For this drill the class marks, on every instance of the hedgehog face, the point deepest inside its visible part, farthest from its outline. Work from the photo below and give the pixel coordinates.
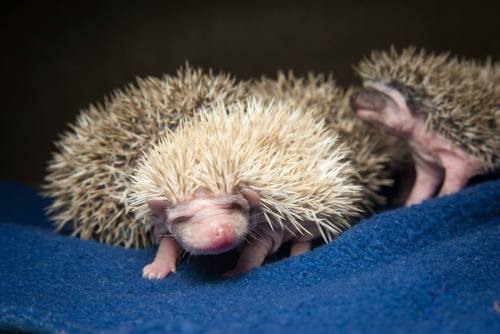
(386, 106)
(210, 225)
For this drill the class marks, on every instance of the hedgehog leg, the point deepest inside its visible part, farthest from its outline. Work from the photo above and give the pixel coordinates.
(254, 254)
(453, 182)
(428, 178)
(165, 260)
(459, 168)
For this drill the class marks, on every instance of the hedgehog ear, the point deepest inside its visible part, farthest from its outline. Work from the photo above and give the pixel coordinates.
(200, 192)
(159, 208)
(251, 196)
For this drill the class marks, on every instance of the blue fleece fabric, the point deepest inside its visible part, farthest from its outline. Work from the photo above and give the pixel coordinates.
(430, 268)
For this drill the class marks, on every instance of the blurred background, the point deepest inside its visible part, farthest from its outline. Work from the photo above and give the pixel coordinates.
(57, 58)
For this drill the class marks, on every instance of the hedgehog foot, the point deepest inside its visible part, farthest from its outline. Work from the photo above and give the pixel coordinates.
(300, 247)
(437, 160)
(429, 176)
(165, 260)
(254, 253)
(156, 270)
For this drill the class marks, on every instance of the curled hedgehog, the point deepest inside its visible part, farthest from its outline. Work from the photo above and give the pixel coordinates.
(88, 177)
(447, 110)
(272, 160)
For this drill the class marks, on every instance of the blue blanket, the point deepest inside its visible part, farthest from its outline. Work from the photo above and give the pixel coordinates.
(431, 268)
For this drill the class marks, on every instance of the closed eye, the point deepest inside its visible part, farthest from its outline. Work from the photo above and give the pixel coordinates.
(241, 205)
(233, 206)
(236, 206)
(181, 219)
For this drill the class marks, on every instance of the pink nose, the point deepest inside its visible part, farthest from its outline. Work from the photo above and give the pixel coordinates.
(223, 237)
(224, 233)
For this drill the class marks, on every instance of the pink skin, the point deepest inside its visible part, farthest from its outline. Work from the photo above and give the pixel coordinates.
(211, 225)
(255, 252)
(437, 160)
(165, 259)
(300, 247)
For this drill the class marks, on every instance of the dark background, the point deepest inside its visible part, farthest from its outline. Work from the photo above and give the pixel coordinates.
(57, 58)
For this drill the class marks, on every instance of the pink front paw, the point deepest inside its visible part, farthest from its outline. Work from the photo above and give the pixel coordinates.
(157, 270)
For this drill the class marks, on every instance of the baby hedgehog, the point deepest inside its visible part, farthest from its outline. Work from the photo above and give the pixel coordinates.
(269, 171)
(89, 177)
(446, 109)
(253, 172)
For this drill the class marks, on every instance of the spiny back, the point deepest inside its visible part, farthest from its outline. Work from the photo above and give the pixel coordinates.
(88, 177)
(370, 152)
(289, 157)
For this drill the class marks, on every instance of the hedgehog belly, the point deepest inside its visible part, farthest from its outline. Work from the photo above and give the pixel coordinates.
(89, 176)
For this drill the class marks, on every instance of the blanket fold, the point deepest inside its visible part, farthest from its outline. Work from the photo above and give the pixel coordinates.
(430, 268)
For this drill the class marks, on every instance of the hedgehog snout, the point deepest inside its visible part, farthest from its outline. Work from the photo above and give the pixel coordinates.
(217, 238)
(223, 237)
(368, 99)
(213, 231)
